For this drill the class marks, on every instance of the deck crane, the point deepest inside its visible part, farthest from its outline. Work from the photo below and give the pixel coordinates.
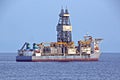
(21, 51)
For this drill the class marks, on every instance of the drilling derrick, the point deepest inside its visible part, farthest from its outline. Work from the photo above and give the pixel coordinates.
(64, 27)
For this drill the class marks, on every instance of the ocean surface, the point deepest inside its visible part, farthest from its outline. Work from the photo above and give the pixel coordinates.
(107, 68)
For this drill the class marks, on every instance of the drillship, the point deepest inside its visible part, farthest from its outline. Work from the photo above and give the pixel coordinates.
(64, 49)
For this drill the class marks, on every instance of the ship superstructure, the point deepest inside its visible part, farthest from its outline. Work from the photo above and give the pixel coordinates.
(64, 49)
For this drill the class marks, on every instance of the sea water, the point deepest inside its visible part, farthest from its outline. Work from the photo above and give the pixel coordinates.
(107, 68)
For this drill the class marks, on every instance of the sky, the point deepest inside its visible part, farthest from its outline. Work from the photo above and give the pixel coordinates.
(35, 21)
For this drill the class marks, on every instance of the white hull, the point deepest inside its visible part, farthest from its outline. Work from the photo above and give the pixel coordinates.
(92, 57)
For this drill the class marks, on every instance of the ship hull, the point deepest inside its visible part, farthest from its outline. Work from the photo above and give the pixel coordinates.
(92, 57)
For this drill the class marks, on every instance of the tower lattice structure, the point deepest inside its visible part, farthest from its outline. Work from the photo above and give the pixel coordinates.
(64, 27)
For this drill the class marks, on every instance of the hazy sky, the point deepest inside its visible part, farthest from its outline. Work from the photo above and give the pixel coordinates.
(35, 21)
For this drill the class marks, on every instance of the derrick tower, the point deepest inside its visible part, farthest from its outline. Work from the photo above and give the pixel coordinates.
(64, 27)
